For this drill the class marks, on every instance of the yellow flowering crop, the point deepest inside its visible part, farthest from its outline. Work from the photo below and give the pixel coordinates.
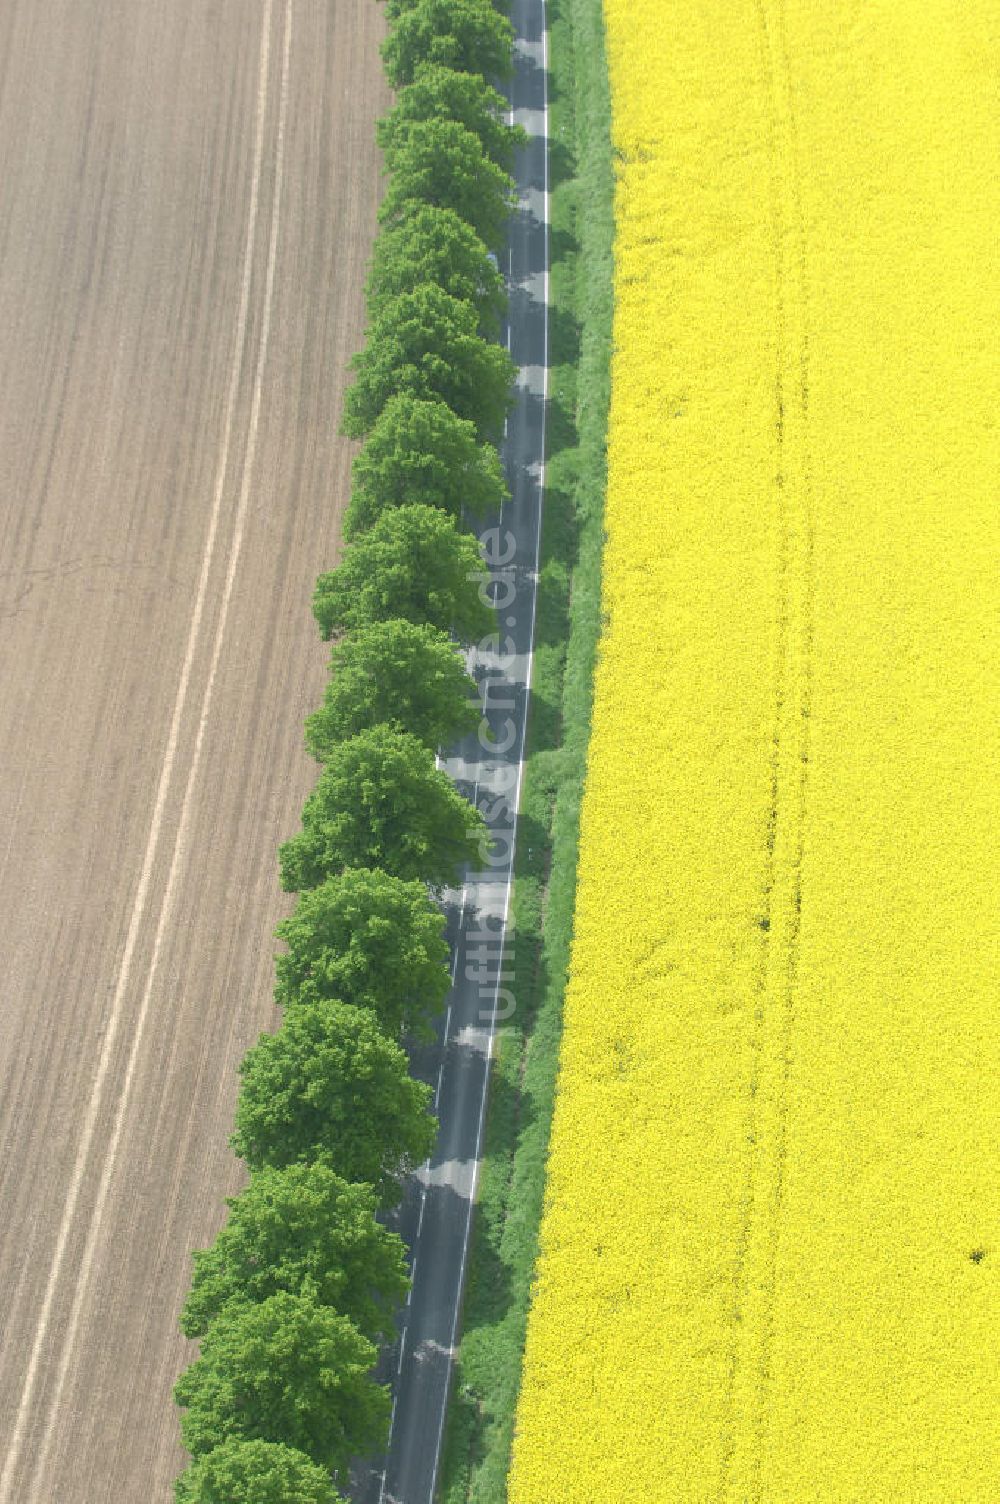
(770, 1268)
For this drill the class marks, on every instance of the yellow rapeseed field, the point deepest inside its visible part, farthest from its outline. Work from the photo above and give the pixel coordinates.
(770, 1265)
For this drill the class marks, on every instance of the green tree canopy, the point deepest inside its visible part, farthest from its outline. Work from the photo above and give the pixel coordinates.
(440, 93)
(256, 1472)
(439, 162)
(331, 1087)
(414, 565)
(430, 243)
(287, 1370)
(469, 35)
(420, 452)
(381, 802)
(303, 1229)
(428, 344)
(372, 940)
(395, 673)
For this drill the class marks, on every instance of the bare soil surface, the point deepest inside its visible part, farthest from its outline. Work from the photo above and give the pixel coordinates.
(187, 204)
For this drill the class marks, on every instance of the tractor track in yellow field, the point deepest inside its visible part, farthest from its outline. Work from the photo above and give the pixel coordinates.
(780, 912)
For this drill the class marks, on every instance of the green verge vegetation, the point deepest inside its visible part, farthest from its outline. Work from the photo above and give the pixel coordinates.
(303, 1280)
(505, 1238)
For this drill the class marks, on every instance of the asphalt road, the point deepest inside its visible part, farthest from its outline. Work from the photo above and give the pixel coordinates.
(436, 1216)
(187, 203)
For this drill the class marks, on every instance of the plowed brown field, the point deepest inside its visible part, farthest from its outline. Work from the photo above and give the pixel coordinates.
(187, 204)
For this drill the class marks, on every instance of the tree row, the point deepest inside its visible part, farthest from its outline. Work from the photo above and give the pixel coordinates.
(300, 1288)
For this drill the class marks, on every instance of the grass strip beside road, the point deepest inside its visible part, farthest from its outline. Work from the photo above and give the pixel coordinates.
(527, 1047)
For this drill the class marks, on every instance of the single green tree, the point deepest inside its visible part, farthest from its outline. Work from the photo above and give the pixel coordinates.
(372, 940)
(420, 453)
(413, 565)
(303, 1229)
(330, 1087)
(440, 93)
(395, 673)
(256, 1472)
(430, 243)
(382, 802)
(428, 344)
(470, 35)
(287, 1370)
(439, 162)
